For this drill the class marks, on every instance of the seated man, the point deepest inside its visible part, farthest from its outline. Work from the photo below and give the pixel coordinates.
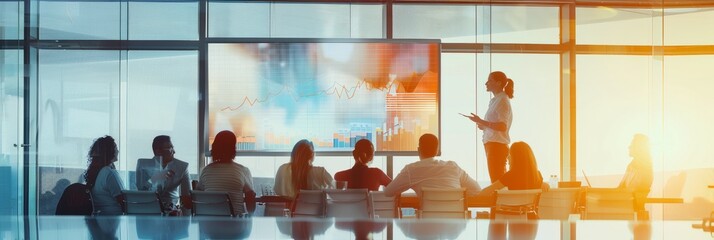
(165, 174)
(361, 175)
(430, 172)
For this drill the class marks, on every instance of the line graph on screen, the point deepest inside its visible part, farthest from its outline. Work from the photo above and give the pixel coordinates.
(334, 94)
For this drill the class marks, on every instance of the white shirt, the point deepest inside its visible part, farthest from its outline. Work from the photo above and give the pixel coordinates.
(499, 110)
(317, 178)
(106, 189)
(432, 173)
(170, 188)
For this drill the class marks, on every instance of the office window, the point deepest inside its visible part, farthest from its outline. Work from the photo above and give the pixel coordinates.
(611, 26)
(294, 20)
(458, 134)
(238, 19)
(78, 102)
(11, 127)
(535, 105)
(80, 20)
(518, 24)
(325, 20)
(687, 129)
(163, 20)
(450, 23)
(536, 109)
(162, 99)
(11, 19)
(613, 103)
(688, 26)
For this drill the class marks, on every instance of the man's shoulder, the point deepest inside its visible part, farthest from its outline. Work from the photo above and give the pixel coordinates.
(445, 162)
(179, 162)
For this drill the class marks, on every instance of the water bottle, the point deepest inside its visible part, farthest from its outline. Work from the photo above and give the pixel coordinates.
(553, 182)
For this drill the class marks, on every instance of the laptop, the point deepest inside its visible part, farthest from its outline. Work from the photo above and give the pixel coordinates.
(586, 178)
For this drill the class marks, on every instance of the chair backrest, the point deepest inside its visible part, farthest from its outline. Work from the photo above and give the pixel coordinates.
(211, 203)
(442, 203)
(76, 200)
(609, 203)
(516, 204)
(348, 203)
(383, 206)
(141, 202)
(558, 203)
(309, 203)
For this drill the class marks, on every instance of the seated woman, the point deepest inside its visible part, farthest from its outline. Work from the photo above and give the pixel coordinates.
(638, 176)
(103, 179)
(523, 171)
(299, 173)
(361, 175)
(224, 175)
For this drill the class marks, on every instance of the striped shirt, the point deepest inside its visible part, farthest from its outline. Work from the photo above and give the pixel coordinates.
(228, 177)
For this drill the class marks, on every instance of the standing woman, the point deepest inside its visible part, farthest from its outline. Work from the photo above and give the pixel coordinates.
(496, 123)
(103, 179)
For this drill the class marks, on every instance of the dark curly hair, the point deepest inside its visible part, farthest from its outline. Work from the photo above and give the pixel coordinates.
(103, 153)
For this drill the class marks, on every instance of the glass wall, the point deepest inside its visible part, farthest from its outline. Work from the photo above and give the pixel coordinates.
(294, 20)
(687, 128)
(637, 88)
(12, 98)
(639, 70)
(11, 138)
(613, 105)
(535, 105)
(79, 102)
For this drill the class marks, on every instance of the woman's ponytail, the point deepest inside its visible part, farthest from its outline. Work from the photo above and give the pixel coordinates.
(509, 88)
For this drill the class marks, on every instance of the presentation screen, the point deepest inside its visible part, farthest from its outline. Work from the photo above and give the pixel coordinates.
(272, 94)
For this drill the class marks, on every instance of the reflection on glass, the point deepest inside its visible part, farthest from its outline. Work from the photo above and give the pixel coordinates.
(216, 228)
(512, 229)
(432, 229)
(363, 229)
(103, 227)
(303, 228)
(159, 228)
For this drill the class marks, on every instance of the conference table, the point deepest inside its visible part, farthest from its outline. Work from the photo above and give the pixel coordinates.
(157, 227)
